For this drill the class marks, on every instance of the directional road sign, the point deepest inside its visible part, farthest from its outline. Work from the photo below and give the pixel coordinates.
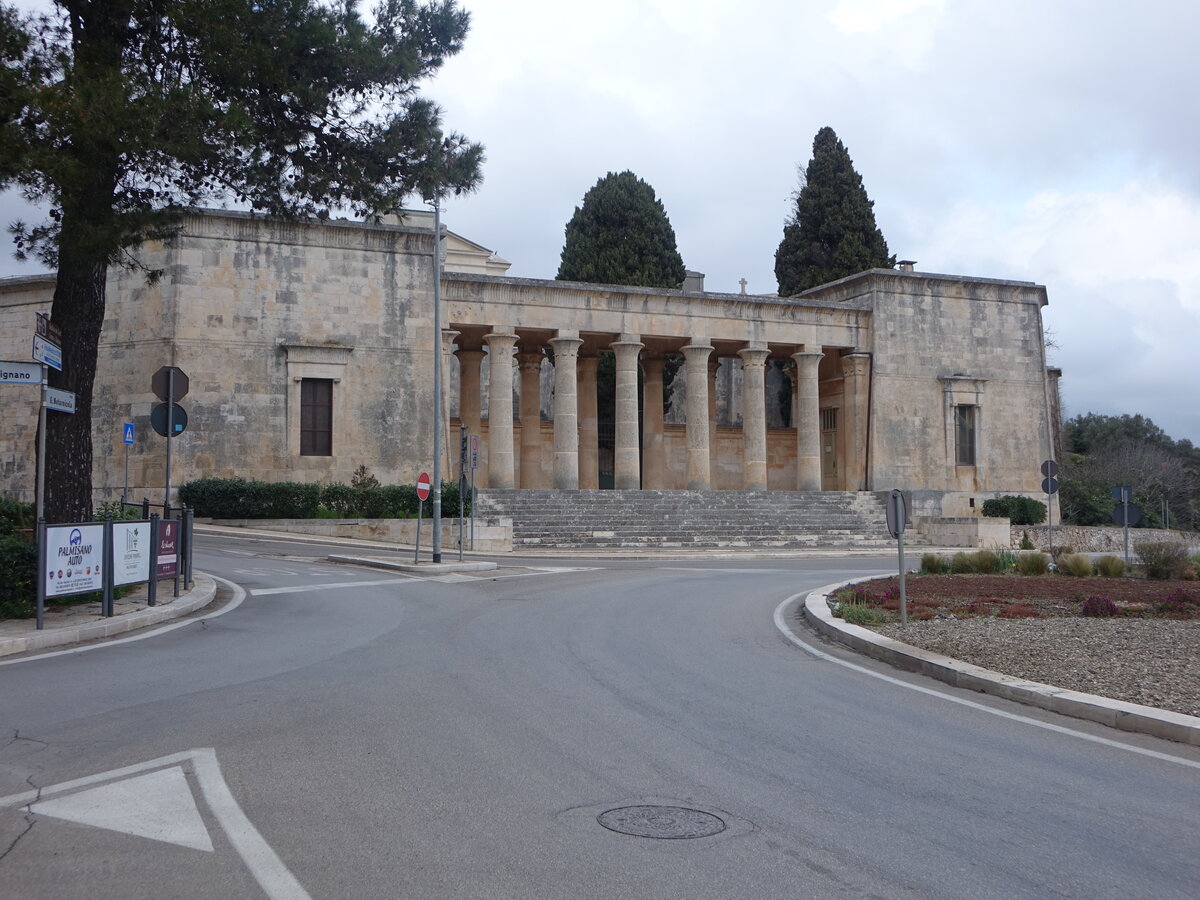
(46, 352)
(49, 330)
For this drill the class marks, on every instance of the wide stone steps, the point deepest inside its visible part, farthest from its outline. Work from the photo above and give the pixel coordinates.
(690, 519)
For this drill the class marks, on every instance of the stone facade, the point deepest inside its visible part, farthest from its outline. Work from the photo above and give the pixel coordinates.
(931, 383)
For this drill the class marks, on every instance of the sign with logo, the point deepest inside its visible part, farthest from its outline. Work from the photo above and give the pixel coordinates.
(129, 432)
(46, 352)
(63, 401)
(49, 330)
(130, 552)
(20, 373)
(73, 556)
(168, 549)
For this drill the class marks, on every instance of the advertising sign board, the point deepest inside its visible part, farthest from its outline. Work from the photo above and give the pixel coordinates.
(73, 555)
(130, 552)
(167, 557)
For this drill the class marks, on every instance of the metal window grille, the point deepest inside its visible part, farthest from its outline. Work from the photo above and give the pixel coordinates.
(316, 417)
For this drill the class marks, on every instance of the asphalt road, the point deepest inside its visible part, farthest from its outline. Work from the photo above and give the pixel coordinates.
(347, 732)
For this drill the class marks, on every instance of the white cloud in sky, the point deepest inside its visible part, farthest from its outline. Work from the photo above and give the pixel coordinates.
(1044, 141)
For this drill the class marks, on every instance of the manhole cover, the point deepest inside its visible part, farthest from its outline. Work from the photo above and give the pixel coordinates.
(664, 822)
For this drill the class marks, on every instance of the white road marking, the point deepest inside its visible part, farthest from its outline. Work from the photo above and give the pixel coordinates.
(302, 588)
(264, 864)
(158, 806)
(785, 629)
(238, 596)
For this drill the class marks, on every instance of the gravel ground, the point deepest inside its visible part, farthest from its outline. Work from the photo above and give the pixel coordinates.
(1154, 662)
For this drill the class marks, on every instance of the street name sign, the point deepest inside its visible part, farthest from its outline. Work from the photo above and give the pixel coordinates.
(62, 401)
(20, 372)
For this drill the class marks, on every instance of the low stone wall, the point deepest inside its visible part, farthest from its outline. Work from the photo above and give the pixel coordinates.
(963, 531)
(491, 535)
(1097, 538)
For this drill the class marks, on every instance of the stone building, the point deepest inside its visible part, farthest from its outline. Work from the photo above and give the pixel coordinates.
(309, 348)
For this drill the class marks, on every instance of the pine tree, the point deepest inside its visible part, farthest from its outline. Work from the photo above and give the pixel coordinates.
(832, 232)
(621, 235)
(121, 115)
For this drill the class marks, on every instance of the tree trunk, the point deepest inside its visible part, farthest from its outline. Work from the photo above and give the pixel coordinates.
(79, 310)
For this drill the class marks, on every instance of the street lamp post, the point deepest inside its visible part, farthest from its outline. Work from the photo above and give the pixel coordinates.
(437, 378)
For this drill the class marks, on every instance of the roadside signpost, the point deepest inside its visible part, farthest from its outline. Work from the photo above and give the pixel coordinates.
(423, 486)
(170, 384)
(474, 466)
(1125, 513)
(1050, 488)
(897, 513)
(47, 350)
(127, 438)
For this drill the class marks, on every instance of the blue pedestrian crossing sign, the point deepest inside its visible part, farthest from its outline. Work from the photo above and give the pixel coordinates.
(129, 432)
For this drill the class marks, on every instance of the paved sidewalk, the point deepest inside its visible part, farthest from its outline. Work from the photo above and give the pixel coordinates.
(75, 624)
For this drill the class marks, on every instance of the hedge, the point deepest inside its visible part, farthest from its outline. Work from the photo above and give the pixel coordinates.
(239, 498)
(1019, 510)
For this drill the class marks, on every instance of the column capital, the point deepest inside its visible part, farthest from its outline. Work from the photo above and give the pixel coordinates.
(754, 357)
(530, 362)
(565, 345)
(856, 364)
(500, 340)
(466, 355)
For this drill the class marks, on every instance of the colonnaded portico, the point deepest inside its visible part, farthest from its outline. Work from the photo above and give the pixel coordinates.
(571, 326)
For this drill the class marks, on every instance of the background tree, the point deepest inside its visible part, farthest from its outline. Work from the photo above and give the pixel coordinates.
(122, 114)
(621, 235)
(832, 232)
(1106, 451)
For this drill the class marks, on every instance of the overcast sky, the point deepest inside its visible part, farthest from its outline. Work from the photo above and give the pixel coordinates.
(1043, 140)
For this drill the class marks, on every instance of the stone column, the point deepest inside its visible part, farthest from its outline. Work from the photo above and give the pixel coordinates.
(695, 367)
(566, 413)
(714, 462)
(469, 362)
(754, 418)
(530, 364)
(449, 447)
(856, 371)
(627, 457)
(589, 425)
(808, 420)
(500, 409)
(654, 460)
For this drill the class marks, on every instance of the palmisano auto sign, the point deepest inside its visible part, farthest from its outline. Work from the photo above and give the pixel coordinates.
(73, 557)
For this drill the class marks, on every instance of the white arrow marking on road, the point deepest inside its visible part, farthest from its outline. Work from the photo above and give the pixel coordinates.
(158, 806)
(264, 864)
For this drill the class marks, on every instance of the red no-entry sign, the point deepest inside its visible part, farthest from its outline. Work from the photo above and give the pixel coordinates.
(423, 485)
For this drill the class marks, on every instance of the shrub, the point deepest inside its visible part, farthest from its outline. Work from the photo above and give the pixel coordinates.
(340, 501)
(1075, 564)
(985, 562)
(934, 564)
(1110, 567)
(1006, 560)
(237, 498)
(1026, 543)
(861, 614)
(1018, 611)
(15, 516)
(1178, 603)
(1018, 510)
(1100, 607)
(1163, 560)
(18, 571)
(1033, 563)
(961, 564)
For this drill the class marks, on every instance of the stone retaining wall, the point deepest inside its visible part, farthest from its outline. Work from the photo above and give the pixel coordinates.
(1098, 538)
(491, 535)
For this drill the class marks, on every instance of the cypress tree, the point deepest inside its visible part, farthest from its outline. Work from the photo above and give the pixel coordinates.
(621, 235)
(832, 232)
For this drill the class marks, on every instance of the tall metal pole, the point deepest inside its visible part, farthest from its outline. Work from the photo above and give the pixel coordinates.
(170, 434)
(437, 379)
(41, 450)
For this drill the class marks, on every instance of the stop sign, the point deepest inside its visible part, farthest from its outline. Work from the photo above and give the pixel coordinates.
(423, 485)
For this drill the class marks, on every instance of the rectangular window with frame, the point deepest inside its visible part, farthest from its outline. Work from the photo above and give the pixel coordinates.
(964, 435)
(316, 417)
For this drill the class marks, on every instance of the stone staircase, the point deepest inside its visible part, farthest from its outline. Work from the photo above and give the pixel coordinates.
(692, 520)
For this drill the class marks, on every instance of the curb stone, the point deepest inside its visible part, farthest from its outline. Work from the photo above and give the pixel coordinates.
(1118, 714)
(202, 593)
